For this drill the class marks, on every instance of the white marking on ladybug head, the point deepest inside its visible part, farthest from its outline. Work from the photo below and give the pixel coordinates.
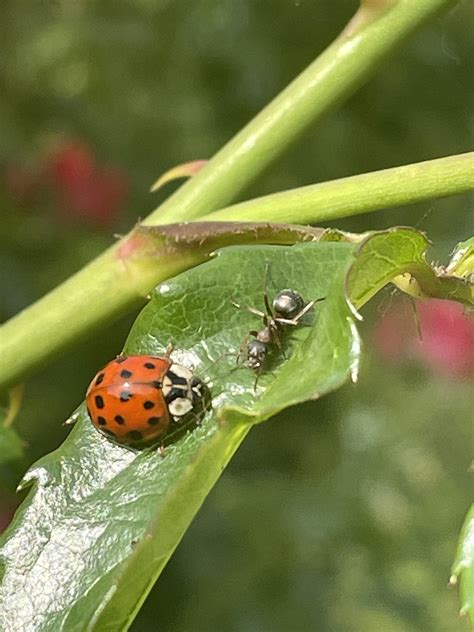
(180, 406)
(181, 371)
(167, 385)
(197, 389)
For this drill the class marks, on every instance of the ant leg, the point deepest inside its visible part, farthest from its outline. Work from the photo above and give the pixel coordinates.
(295, 321)
(274, 333)
(257, 376)
(257, 312)
(252, 310)
(266, 302)
(241, 352)
(226, 354)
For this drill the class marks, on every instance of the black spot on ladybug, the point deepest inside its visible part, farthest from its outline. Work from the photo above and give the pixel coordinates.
(173, 394)
(120, 359)
(135, 435)
(119, 419)
(149, 365)
(125, 373)
(99, 402)
(148, 405)
(125, 396)
(100, 379)
(157, 385)
(153, 421)
(177, 379)
(101, 421)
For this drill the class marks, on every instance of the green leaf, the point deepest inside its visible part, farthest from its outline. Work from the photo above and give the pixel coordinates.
(102, 521)
(463, 567)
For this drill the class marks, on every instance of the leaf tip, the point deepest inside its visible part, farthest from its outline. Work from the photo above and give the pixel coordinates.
(70, 421)
(185, 170)
(37, 474)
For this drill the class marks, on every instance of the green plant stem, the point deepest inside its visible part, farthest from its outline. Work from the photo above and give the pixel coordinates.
(358, 194)
(349, 61)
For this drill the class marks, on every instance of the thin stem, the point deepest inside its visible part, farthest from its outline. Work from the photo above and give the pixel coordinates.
(363, 193)
(348, 62)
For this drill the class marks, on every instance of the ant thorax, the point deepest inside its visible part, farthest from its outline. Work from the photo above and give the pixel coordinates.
(265, 335)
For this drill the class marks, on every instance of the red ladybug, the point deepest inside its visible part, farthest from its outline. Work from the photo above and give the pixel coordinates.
(133, 399)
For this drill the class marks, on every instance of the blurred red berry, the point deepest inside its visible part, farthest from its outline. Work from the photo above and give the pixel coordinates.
(447, 336)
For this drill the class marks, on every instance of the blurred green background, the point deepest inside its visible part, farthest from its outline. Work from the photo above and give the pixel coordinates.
(339, 515)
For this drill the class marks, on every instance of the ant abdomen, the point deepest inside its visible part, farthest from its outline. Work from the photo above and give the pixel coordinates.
(288, 304)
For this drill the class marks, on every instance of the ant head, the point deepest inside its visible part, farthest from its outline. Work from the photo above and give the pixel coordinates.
(288, 304)
(256, 354)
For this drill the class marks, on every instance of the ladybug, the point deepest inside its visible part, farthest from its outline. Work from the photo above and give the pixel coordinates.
(133, 399)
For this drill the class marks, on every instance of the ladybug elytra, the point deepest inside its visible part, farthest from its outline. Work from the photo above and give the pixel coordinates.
(133, 399)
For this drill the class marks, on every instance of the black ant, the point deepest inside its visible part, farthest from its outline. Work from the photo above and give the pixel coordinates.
(287, 309)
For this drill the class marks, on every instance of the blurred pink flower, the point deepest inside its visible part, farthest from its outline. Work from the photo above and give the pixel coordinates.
(85, 189)
(82, 188)
(71, 165)
(447, 343)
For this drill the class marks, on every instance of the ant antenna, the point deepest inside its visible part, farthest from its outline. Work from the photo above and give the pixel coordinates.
(266, 302)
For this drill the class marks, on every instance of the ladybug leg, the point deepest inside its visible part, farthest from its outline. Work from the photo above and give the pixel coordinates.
(145, 450)
(194, 419)
(197, 420)
(169, 350)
